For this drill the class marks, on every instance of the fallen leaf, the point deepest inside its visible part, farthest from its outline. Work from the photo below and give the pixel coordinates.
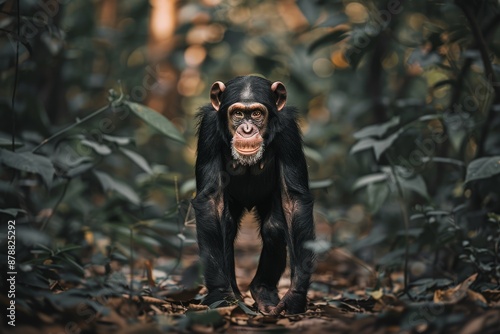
(377, 294)
(455, 294)
(145, 299)
(476, 296)
(284, 322)
(181, 295)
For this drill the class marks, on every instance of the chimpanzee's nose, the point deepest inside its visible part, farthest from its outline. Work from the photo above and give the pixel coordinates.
(247, 128)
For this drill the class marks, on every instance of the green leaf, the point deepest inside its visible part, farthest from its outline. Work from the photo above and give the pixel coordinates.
(13, 211)
(377, 190)
(188, 186)
(392, 258)
(378, 130)
(29, 162)
(369, 241)
(443, 160)
(377, 194)
(416, 184)
(318, 246)
(320, 184)
(438, 213)
(313, 154)
(443, 83)
(72, 166)
(210, 317)
(362, 145)
(216, 304)
(117, 140)
(378, 146)
(137, 159)
(417, 216)
(156, 120)
(7, 143)
(78, 170)
(429, 117)
(328, 39)
(98, 148)
(245, 308)
(412, 232)
(110, 184)
(432, 282)
(368, 179)
(483, 168)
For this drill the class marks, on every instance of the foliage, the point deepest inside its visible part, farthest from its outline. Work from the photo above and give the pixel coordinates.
(400, 120)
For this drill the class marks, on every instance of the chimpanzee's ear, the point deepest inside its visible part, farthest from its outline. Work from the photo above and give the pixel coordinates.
(217, 89)
(279, 91)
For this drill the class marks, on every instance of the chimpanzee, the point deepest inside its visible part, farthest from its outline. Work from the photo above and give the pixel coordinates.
(250, 156)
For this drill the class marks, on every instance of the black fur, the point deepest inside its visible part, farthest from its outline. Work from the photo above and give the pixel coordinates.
(277, 187)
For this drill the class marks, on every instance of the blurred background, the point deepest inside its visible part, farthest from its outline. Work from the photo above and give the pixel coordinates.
(399, 112)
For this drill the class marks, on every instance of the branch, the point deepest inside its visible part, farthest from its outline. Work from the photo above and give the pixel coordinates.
(406, 222)
(63, 131)
(16, 75)
(488, 70)
(481, 43)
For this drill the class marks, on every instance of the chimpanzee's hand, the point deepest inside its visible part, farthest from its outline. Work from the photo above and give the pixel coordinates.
(293, 302)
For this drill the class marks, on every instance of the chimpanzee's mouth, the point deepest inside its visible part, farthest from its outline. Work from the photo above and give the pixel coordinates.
(247, 145)
(244, 148)
(247, 152)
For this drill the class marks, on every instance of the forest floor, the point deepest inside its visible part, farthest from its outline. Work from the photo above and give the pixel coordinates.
(343, 298)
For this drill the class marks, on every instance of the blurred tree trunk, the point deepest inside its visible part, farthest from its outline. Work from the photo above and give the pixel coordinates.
(107, 17)
(51, 87)
(163, 94)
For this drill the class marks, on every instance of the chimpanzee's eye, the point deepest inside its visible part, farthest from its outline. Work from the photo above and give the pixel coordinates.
(238, 114)
(256, 114)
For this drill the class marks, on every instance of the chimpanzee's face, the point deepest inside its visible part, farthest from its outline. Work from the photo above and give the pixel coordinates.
(246, 107)
(247, 125)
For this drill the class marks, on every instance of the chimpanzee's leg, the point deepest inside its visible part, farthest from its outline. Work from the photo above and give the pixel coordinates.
(273, 256)
(234, 216)
(297, 209)
(216, 230)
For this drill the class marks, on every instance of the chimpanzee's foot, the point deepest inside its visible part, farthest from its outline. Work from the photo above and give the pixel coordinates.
(292, 303)
(265, 297)
(226, 297)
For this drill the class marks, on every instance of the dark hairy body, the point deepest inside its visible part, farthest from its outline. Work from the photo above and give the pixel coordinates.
(250, 156)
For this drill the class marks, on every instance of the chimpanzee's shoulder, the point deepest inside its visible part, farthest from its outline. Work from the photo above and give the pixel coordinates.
(289, 115)
(206, 117)
(206, 111)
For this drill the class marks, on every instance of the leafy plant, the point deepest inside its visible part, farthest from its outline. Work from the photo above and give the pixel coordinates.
(419, 148)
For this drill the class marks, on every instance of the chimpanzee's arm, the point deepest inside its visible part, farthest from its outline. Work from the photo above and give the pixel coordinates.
(210, 216)
(297, 205)
(208, 161)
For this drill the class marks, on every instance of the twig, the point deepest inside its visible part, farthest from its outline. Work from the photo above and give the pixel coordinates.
(111, 105)
(181, 230)
(54, 209)
(404, 212)
(358, 261)
(131, 287)
(16, 72)
(66, 129)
